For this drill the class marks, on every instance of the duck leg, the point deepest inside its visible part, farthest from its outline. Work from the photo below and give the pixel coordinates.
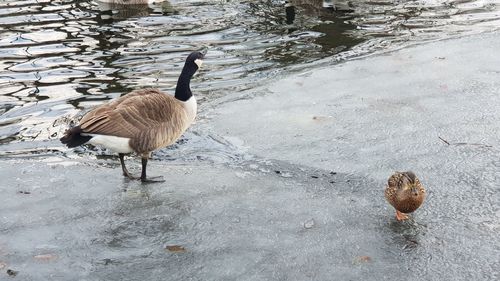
(401, 216)
(143, 174)
(124, 169)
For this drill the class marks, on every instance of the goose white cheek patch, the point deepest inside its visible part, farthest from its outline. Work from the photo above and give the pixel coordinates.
(198, 62)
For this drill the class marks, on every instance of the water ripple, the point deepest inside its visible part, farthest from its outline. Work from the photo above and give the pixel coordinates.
(58, 58)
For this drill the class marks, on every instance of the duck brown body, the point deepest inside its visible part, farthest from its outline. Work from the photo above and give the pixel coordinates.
(405, 193)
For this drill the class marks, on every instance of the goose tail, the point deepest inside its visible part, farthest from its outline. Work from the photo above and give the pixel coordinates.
(74, 138)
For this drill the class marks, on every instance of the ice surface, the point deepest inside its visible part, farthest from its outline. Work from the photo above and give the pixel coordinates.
(304, 202)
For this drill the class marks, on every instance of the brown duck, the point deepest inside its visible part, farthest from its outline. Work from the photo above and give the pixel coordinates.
(405, 193)
(141, 121)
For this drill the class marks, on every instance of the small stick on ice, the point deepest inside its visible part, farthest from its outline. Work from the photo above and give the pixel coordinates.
(445, 141)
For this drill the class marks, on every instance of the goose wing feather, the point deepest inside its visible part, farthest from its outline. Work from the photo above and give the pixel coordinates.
(150, 118)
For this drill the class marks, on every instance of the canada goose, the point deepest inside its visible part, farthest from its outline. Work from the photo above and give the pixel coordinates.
(115, 10)
(405, 193)
(131, 2)
(141, 121)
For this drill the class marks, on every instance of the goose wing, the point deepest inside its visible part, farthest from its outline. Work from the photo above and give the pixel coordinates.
(137, 113)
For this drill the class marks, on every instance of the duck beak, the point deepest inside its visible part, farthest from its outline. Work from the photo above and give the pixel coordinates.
(198, 62)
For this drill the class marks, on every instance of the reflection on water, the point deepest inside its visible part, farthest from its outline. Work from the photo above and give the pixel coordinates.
(59, 57)
(401, 21)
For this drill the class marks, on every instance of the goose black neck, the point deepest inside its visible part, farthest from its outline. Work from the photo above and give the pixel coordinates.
(183, 91)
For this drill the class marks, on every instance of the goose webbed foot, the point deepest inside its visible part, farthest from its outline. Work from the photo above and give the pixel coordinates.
(152, 179)
(145, 179)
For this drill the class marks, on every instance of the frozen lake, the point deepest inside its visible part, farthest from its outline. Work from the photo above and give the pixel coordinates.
(305, 112)
(290, 186)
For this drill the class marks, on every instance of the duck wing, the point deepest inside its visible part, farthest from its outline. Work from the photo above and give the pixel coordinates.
(395, 181)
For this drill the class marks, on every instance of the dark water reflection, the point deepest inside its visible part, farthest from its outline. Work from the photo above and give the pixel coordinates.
(59, 57)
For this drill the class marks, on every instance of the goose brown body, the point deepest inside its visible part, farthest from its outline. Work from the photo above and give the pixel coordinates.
(149, 118)
(405, 193)
(141, 121)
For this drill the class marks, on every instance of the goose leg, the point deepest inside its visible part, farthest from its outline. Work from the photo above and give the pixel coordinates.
(401, 216)
(143, 174)
(124, 169)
